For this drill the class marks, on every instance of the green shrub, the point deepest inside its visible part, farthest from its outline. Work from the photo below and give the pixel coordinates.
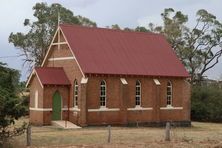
(206, 103)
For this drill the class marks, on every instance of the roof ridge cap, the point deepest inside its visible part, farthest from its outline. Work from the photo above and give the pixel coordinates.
(110, 29)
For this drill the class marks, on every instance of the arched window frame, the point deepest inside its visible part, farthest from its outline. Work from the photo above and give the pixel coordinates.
(103, 93)
(75, 93)
(169, 94)
(138, 93)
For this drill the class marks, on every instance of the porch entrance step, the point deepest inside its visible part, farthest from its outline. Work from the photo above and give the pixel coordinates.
(65, 124)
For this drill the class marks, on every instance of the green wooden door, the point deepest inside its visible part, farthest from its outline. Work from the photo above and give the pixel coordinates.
(56, 106)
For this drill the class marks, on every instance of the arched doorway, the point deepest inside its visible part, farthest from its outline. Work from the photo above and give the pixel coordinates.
(56, 106)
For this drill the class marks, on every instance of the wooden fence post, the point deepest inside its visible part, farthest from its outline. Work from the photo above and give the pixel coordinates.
(28, 135)
(109, 133)
(167, 136)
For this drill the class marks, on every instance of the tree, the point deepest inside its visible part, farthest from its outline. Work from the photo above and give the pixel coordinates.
(206, 104)
(200, 47)
(141, 29)
(35, 43)
(10, 108)
(116, 26)
(128, 29)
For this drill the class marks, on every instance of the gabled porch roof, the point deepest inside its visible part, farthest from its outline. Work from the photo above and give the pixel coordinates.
(50, 76)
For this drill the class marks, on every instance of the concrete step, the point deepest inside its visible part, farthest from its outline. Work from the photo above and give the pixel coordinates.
(65, 124)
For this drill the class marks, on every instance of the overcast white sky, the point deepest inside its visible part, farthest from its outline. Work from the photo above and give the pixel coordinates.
(126, 13)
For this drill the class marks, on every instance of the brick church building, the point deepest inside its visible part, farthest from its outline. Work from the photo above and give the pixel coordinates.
(98, 76)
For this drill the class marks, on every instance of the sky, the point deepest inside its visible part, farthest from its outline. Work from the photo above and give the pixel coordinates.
(125, 13)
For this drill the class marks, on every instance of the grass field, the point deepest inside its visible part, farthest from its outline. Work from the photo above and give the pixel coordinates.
(199, 135)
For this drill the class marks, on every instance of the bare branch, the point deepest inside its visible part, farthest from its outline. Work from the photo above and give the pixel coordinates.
(217, 56)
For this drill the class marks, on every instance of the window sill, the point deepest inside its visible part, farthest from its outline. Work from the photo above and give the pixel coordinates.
(103, 109)
(169, 107)
(139, 108)
(74, 109)
(40, 109)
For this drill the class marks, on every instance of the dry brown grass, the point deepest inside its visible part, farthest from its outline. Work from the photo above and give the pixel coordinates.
(199, 135)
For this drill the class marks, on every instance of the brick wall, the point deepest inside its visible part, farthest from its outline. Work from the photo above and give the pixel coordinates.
(36, 116)
(62, 52)
(115, 99)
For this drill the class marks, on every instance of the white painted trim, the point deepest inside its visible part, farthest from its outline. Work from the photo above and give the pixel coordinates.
(71, 109)
(50, 109)
(39, 79)
(74, 109)
(123, 80)
(103, 109)
(29, 78)
(34, 72)
(64, 108)
(50, 45)
(58, 40)
(84, 80)
(139, 108)
(156, 81)
(59, 43)
(171, 108)
(72, 52)
(61, 58)
(40, 109)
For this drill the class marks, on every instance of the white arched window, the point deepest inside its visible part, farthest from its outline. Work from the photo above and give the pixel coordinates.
(103, 93)
(169, 93)
(138, 93)
(75, 94)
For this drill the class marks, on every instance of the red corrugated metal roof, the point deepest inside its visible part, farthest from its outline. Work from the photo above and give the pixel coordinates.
(52, 76)
(107, 51)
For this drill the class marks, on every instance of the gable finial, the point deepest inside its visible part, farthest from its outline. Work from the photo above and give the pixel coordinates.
(58, 18)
